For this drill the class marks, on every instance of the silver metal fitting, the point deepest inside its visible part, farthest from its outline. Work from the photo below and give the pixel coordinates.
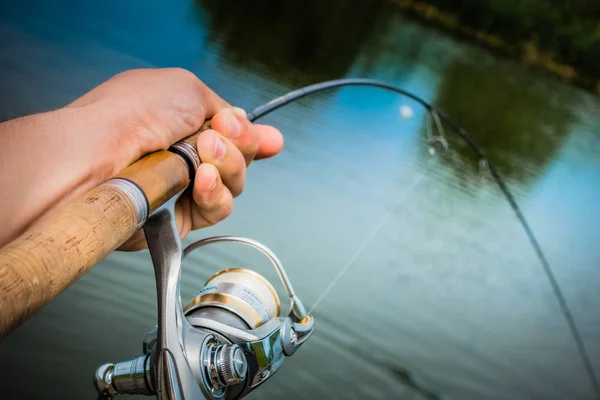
(127, 377)
(227, 365)
(103, 380)
(136, 195)
(231, 364)
(187, 151)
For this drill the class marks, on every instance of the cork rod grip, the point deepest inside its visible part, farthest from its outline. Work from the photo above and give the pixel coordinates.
(40, 264)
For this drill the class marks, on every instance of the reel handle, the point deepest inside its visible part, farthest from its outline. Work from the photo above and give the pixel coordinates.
(51, 255)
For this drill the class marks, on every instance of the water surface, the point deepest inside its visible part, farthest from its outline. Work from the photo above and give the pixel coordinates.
(447, 301)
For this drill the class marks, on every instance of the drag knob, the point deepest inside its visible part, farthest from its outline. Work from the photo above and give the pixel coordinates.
(231, 364)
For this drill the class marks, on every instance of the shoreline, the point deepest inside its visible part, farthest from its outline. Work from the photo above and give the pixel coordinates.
(524, 52)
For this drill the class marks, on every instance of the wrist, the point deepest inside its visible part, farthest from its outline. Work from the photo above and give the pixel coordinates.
(106, 140)
(50, 158)
(43, 164)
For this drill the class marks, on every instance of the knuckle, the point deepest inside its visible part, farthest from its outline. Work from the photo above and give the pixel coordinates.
(249, 142)
(238, 189)
(184, 74)
(226, 209)
(206, 199)
(194, 118)
(239, 172)
(221, 211)
(236, 179)
(128, 73)
(240, 161)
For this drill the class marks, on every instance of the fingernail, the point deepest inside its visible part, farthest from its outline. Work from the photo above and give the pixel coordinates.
(208, 173)
(214, 184)
(240, 112)
(219, 148)
(234, 128)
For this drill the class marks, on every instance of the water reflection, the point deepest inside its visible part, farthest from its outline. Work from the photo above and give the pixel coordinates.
(519, 126)
(296, 39)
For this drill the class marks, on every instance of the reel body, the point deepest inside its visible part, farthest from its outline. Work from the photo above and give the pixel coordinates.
(227, 341)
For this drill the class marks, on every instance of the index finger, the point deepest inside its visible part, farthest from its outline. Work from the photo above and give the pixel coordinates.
(254, 141)
(270, 141)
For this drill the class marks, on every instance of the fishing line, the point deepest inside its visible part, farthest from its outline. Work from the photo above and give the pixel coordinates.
(436, 142)
(366, 242)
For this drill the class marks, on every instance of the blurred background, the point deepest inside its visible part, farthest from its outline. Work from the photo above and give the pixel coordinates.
(449, 300)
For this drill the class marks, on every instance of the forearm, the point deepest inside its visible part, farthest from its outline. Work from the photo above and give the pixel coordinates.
(45, 161)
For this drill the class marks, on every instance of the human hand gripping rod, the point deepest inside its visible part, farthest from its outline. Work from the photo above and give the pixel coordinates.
(226, 342)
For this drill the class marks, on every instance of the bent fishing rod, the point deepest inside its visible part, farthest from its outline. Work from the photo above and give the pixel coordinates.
(231, 337)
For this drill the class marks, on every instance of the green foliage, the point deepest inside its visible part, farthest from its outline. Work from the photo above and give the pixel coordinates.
(568, 29)
(508, 122)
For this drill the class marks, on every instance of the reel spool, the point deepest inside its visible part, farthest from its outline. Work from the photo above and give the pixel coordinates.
(240, 291)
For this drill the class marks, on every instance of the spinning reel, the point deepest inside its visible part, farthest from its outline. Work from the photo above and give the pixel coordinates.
(223, 344)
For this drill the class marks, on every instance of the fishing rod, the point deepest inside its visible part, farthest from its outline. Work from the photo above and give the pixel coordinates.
(438, 143)
(231, 337)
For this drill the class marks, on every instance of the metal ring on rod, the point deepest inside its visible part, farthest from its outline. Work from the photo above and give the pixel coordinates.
(296, 305)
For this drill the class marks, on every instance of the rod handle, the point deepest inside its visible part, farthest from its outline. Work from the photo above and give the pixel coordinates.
(51, 255)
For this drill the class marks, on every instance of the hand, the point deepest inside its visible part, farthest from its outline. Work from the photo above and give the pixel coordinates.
(135, 113)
